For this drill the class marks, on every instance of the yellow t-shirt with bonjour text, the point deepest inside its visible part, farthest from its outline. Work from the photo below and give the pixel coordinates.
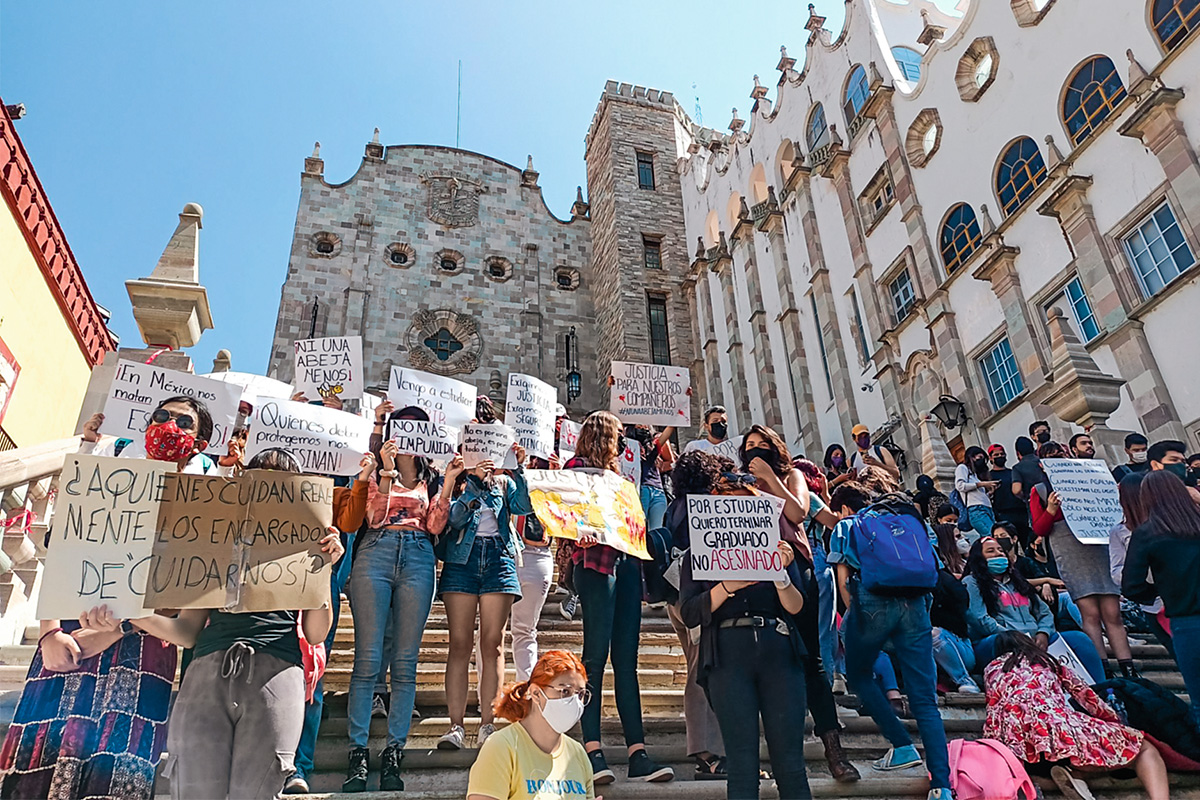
(511, 767)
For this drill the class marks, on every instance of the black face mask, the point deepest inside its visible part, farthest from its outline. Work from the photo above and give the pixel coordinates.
(1000, 461)
(1043, 437)
(719, 430)
(1006, 545)
(765, 453)
(980, 463)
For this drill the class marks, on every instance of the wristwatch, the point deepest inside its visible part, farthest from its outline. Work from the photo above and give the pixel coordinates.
(127, 627)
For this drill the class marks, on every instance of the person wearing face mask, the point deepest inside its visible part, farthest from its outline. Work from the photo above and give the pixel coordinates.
(1002, 600)
(1169, 455)
(837, 466)
(1040, 432)
(1005, 505)
(973, 486)
(1136, 450)
(716, 431)
(178, 431)
(764, 455)
(871, 456)
(534, 759)
(952, 546)
(655, 450)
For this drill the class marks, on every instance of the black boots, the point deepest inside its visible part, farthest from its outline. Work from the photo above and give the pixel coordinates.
(389, 770)
(839, 765)
(356, 771)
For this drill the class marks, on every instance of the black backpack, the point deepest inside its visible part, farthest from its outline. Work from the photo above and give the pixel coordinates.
(656, 588)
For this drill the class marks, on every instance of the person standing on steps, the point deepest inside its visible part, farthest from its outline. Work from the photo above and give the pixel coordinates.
(973, 485)
(868, 455)
(837, 467)
(1136, 454)
(534, 759)
(479, 579)
(392, 584)
(1006, 506)
(610, 588)
(716, 431)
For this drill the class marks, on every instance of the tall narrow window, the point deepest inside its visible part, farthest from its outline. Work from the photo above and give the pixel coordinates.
(856, 96)
(863, 342)
(1000, 374)
(1088, 327)
(1093, 92)
(821, 345)
(904, 298)
(1021, 171)
(645, 170)
(1157, 250)
(960, 236)
(817, 133)
(652, 252)
(660, 341)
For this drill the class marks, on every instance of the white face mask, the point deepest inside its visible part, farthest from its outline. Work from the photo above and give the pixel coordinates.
(964, 547)
(1139, 458)
(563, 713)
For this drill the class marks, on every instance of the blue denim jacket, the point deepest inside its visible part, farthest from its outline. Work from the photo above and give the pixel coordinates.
(507, 496)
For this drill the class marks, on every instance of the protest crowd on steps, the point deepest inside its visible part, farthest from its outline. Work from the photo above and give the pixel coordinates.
(792, 581)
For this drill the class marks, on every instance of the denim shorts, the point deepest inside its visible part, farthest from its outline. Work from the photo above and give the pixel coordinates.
(487, 571)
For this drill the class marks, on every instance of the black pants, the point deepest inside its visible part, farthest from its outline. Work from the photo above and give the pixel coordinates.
(759, 675)
(816, 677)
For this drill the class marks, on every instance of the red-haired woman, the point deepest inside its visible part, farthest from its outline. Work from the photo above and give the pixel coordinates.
(534, 758)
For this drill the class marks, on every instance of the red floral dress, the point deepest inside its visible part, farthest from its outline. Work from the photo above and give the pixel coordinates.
(1029, 709)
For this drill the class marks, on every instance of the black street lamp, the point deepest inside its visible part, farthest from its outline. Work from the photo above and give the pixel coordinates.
(950, 411)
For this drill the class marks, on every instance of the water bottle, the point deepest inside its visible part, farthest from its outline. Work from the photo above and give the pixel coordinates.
(1116, 705)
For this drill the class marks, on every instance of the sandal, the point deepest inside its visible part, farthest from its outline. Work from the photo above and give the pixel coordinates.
(710, 769)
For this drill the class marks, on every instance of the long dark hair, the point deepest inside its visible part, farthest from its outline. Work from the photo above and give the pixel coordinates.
(973, 452)
(947, 541)
(1169, 505)
(1130, 489)
(783, 462)
(829, 451)
(1020, 647)
(989, 587)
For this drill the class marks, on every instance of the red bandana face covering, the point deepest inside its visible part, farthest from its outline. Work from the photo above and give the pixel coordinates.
(167, 442)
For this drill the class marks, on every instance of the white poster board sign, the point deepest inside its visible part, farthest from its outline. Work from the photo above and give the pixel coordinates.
(1062, 652)
(728, 449)
(486, 443)
(324, 440)
(137, 389)
(416, 437)
(651, 394)
(445, 400)
(735, 538)
(631, 463)
(102, 536)
(255, 385)
(329, 367)
(367, 405)
(568, 439)
(1091, 503)
(529, 411)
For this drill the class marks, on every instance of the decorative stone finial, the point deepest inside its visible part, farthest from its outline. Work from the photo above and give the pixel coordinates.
(700, 248)
(529, 162)
(1082, 392)
(170, 306)
(374, 147)
(1139, 80)
(874, 79)
(737, 123)
(375, 138)
(759, 91)
(834, 138)
(786, 62)
(1054, 156)
(316, 150)
(580, 208)
(930, 31)
(223, 361)
(529, 175)
(815, 21)
(986, 226)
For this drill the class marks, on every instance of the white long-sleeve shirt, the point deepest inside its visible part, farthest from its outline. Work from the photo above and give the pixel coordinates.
(968, 487)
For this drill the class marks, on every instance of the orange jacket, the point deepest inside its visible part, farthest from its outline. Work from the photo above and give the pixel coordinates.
(350, 506)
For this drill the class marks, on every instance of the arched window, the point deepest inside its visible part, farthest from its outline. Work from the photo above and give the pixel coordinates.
(909, 61)
(1092, 93)
(960, 236)
(817, 134)
(1020, 172)
(856, 95)
(1174, 20)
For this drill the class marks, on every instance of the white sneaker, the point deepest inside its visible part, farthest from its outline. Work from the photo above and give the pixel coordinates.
(296, 785)
(485, 730)
(969, 688)
(378, 707)
(453, 739)
(940, 794)
(839, 684)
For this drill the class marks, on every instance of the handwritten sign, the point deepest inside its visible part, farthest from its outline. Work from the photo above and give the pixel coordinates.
(651, 394)
(1091, 503)
(367, 405)
(529, 410)
(735, 538)
(416, 437)
(1062, 652)
(324, 440)
(102, 536)
(137, 389)
(568, 439)
(486, 443)
(605, 505)
(255, 385)
(447, 401)
(329, 367)
(631, 463)
(250, 543)
(728, 449)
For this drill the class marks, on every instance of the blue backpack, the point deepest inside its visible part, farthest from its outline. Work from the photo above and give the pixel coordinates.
(894, 553)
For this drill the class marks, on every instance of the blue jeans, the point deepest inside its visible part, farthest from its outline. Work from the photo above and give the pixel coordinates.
(1081, 643)
(982, 519)
(1185, 635)
(826, 613)
(654, 503)
(955, 656)
(612, 622)
(392, 583)
(871, 621)
(885, 674)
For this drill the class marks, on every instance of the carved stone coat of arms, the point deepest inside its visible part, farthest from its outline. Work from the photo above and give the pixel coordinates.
(453, 199)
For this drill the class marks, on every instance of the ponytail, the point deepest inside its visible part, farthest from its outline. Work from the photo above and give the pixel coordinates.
(514, 702)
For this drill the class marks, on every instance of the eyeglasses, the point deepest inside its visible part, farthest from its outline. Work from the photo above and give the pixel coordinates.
(563, 692)
(184, 421)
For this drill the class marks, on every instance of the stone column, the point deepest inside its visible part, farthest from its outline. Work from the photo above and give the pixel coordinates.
(768, 380)
(723, 266)
(696, 368)
(955, 368)
(712, 361)
(1157, 125)
(999, 268)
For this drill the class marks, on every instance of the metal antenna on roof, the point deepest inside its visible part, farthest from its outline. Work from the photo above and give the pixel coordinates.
(458, 113)
(699, 120)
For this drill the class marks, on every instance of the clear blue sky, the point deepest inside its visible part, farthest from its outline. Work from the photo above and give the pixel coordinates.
(135, 108)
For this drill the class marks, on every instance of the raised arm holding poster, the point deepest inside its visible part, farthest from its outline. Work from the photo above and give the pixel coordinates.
(102, 536)
(445, 400)
(1091, 503)
(137, 389)
(416, 437)
(735, 538)
(486, 443)
(529, 411)
(606, 506)
(329, 367)
(651, 394)
(324, 440)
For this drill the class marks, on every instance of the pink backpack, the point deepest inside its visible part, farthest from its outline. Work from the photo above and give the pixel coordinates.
(985, 769)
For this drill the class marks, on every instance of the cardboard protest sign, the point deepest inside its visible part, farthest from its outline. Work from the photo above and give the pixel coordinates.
(324, 440)
(329, 367)
(486, 443)
(735, 538)
(447, 401)
(728, 449)
(1062, 652)
(568, 439)
(250, 543)
(529, 410)
(631, 463)
(651, 394)
(416, 437)
(255, 385)
(605, 505)
(102, 536)
(1091, 503)
(137, 389)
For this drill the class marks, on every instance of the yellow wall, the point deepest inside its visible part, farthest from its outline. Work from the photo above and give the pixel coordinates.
(54, 371)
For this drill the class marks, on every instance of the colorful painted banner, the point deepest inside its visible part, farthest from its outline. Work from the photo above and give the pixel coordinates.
(568, 439)
(651, 394)
(447, 401)
(529, 411)
(1091, 503)
(569, 503)
(324, 440)
(137, 389)
(329, 367)
(735, 538)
